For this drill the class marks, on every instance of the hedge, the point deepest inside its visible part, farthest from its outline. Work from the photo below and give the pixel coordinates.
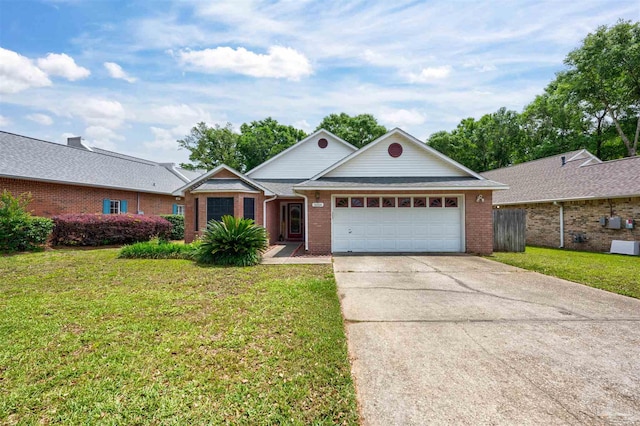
(103, 229)
(19, 231)
(177, 220)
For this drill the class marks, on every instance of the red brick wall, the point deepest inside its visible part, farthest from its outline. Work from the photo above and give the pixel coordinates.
(478, 220)
(581, 218)
(50, 199)
(190, 232)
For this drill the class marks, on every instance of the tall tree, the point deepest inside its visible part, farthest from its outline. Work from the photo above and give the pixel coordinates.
(261, 140)
(211, 146)
(358, 130)
(605, 71)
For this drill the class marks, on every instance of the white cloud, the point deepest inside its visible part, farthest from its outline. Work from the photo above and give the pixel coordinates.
(166, 139)
(303, 125)
(116, 71)
(101, 137)
(402, 117)
(97, 112)
(4, 121)
(429, 74)
(18, 73)
(279, 62)
(43, 119)
(63, 65)
(179, 114)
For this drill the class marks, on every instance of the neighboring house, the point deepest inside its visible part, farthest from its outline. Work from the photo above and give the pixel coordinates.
(396, 194)
(76, 178)
(574, 200)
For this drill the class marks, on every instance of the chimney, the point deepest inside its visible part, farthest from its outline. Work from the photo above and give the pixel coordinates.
(76, 142)
(564, 160)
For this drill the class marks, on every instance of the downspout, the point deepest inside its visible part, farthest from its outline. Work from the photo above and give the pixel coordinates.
(561, 225)
(306, 220)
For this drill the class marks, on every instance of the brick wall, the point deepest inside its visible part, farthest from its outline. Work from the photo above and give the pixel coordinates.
(50, 199)
(581, 218)
(190, 232)
(478, 220)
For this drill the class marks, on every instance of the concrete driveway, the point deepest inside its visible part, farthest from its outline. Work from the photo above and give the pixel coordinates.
(465, 340)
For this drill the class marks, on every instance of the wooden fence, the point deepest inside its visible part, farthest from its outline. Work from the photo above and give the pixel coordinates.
(509, 226)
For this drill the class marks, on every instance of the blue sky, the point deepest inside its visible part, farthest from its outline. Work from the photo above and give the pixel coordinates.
(135, 76)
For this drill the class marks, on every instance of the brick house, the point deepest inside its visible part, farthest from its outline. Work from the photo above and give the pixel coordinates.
(396, 194)
(574, 200)
(76, 178)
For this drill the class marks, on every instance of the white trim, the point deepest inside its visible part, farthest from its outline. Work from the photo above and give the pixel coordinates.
(215, 191)
(400, 188)
(551, 200)
(245, 179)
(297, 144)
(264, 211)
(416, 141)
(583, 151)
(461, 206)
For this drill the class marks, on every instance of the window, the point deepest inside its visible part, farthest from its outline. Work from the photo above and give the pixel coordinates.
(218, 207)
(249, 208)
(451, 202)
(373, 202)
(178, 209)
(404, 202)
(435, 202)
(357, 202)
(388, 202)
(419, 202)
(342, 202)
(114, 206)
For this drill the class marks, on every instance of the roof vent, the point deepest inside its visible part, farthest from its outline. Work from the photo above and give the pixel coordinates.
(564, 160)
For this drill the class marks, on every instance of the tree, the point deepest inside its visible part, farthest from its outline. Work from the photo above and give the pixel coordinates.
(358, 130)
(605, 72)
(211, 146)
(261, 140)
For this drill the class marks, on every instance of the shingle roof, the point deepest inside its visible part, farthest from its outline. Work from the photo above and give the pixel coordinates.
(400, 182)
(225, 185)
(29, 158)
(582, 177)
(280, 187)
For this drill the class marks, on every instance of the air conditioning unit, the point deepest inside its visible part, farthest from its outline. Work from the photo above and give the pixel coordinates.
(625, 247)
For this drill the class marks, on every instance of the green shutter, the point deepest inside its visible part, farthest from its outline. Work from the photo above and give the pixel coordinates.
(106, 206)
(123, 206)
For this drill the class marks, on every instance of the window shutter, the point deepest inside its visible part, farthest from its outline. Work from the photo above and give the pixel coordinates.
(123, 206)
(175, 209)
(249, 209)
(106, 206)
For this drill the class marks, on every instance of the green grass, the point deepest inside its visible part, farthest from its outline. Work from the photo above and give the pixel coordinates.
(616, 273)
(86, 338)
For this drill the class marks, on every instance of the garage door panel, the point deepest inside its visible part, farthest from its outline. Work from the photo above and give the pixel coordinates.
(397, 229)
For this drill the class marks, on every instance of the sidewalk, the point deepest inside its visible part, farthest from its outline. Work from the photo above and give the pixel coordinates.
(285, 254)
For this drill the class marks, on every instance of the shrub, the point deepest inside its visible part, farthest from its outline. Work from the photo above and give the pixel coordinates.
(177, 220)
(103, 229)
(233, 241)
(19, 231)
(157, 250)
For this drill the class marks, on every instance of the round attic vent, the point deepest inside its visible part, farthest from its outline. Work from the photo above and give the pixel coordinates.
(395, 150)
(322, 143)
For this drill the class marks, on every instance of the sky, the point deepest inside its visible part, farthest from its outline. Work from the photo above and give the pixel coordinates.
(134, 77)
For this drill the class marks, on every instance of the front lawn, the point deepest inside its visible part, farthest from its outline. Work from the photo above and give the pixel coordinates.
(613, 272)
(88, 338)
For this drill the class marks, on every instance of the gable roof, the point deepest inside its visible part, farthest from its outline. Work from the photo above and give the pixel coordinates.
(34, 159)
(298, 145)
(421, 145)
(582, 177)
(206, 177)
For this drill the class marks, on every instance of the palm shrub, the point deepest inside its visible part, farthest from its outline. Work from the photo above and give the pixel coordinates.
(232, 242)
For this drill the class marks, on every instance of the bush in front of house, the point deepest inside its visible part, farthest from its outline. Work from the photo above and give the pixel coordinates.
(232, 242)
(19, 231)
(157, 249)
(104, 229)
(177, 220)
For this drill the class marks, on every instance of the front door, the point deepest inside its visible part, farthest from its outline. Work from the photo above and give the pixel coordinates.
(295, 221)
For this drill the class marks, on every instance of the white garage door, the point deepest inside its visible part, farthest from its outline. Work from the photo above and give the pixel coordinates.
(397, 224)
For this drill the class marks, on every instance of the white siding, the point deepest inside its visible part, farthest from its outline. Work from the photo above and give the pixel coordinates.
(304, 160)
(414, 161)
